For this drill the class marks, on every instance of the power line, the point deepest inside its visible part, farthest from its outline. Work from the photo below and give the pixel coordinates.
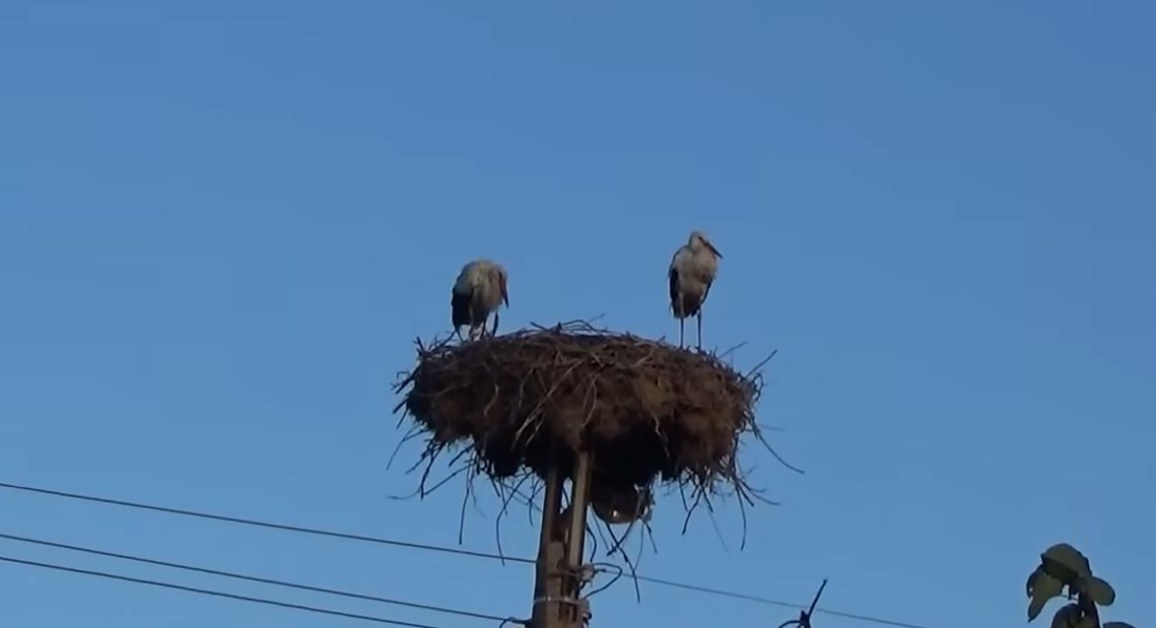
(866, 618)
(222, 594)
(437, 548)
(768, 601)
(720, 592)
(238, 576)
(264, 524)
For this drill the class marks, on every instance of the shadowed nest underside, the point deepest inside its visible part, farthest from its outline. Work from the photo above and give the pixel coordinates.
(644, 409)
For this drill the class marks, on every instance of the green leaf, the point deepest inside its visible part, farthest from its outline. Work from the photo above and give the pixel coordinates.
(1035, 607)
(1067, 617)
(1065, 563)
(1102, 593)
(1041, 587)
(1042, 583)
(1117, 624)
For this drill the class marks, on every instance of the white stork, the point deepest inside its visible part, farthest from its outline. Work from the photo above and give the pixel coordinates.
(478, 292)
(692, 271)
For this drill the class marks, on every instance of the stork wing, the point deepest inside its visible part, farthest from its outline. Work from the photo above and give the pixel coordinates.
(460, 309)
(673, 286)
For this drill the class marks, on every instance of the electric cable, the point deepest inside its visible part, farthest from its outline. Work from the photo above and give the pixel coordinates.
(249, 578)
(214, 593)
(264, 524)
(438, 548)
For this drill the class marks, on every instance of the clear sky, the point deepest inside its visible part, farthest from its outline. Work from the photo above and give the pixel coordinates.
(223, 223)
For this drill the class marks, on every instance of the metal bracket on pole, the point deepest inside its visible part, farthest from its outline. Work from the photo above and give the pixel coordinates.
(579, 499)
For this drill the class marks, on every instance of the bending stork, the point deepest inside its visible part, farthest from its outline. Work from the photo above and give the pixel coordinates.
(478, 292)
(692, 271)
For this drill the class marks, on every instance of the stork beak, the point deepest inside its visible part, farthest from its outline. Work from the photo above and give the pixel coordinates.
(710, 246)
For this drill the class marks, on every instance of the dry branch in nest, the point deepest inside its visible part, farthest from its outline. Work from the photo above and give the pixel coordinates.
(644, 409)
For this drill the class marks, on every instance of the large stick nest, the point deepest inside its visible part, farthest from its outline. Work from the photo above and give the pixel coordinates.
(646, 410)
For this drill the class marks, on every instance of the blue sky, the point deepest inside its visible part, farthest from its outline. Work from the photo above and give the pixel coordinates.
(222, 224)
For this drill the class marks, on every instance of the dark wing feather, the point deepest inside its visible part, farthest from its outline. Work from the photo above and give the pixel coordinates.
(674, 300)
(460, 304)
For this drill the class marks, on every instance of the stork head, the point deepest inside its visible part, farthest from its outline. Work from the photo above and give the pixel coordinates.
(698, 241)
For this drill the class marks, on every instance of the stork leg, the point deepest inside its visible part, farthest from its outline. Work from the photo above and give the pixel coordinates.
(698, 318)
(494, 332)
(681, 325)
(473, 326)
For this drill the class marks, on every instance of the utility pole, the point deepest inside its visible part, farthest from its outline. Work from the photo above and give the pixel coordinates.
(559, 573)
(548, 582)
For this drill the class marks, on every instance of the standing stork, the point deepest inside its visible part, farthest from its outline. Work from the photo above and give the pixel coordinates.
(692, 271)
(478, 292)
